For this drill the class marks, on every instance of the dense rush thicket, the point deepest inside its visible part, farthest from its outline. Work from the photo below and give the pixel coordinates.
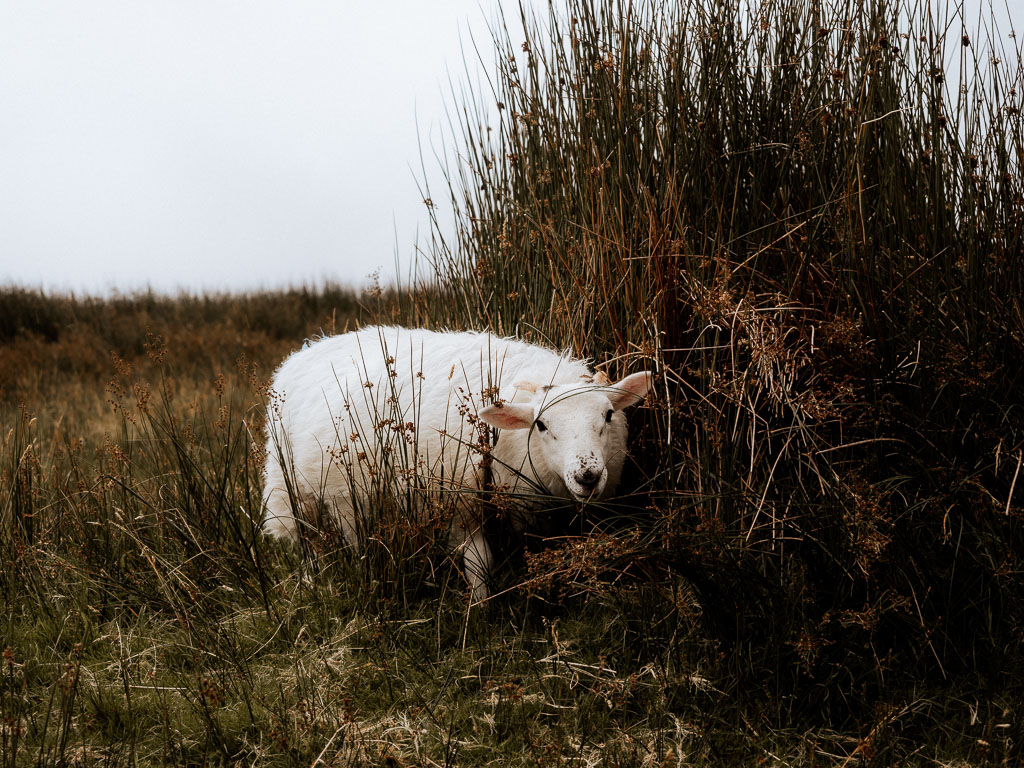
(813, 226)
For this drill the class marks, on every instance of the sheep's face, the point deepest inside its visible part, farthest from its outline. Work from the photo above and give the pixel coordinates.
(576, 432)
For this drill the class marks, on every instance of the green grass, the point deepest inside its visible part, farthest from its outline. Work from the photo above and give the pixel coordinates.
(812, 237)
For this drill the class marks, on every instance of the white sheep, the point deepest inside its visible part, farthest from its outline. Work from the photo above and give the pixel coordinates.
(337, 400)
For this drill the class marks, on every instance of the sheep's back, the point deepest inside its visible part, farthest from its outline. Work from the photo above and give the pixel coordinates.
(341, 386)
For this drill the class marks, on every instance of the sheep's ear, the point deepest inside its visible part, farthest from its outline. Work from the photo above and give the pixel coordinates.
(630, 391)
(508, 416)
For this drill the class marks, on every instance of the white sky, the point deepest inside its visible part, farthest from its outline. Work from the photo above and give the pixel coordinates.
(218, 145)
(222, 144)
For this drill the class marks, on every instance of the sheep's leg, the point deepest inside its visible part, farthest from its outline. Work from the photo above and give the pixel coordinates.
(476, 562)
(291, 505)
(278, 518)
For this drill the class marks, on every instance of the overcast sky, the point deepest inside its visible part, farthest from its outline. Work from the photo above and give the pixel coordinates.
(220, 145)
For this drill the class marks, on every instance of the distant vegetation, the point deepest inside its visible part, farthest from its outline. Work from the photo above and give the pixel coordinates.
(807, 226)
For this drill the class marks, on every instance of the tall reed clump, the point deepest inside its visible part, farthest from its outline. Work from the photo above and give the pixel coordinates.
(812, 227)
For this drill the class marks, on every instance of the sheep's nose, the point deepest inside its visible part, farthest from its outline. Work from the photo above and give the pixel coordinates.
(587, 478)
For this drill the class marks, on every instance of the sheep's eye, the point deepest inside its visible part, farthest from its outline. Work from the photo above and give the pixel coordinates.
(541, 427)
(608, 416)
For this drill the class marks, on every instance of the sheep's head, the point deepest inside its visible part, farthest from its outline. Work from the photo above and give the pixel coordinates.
(577, 432)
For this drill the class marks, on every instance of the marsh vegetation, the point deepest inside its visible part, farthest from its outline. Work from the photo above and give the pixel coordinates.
(803, 216)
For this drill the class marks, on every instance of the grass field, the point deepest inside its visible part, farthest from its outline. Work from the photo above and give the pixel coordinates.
(808, 230)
